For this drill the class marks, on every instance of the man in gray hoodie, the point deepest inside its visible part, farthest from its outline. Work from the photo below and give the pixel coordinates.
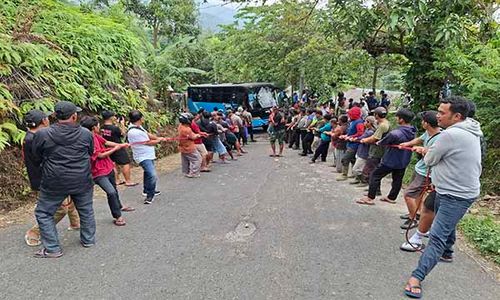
(455, 159)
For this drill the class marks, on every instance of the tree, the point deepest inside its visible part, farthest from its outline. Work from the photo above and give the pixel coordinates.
(168, 18)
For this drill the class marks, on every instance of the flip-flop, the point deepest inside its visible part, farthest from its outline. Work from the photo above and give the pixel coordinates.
(121, 182)
(410, 294)
(206, 170)
(131, 184)
(272, 155)
(127, 209)
(32, 241)
(119, 223)
(385, 199)
(365, 201)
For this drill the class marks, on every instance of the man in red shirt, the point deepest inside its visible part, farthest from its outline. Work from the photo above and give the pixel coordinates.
(103, 169)
(200, 147)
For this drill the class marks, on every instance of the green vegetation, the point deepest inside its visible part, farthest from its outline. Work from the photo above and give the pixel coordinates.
(129, 54)
(484, 233)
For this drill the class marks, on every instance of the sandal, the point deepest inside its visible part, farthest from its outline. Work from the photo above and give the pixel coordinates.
(408, 291)
(385, 199)
(131, 184)
(127, 209)
(365, 201)
(119, 222)
(42, 253)
(32, 241)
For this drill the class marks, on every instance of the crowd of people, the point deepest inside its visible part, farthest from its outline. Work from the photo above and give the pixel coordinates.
(66, 159)
(366, 148)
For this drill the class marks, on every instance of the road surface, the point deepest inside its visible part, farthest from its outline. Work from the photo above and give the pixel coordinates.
(258, 228)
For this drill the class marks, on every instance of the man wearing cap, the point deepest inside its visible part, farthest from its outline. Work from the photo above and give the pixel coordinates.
(35, 120)
(63, 150)
(420, 176)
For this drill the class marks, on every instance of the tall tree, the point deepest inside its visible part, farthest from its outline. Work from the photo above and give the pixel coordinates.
(168, 18)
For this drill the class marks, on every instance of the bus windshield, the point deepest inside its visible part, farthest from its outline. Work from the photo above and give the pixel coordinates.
(257, 98)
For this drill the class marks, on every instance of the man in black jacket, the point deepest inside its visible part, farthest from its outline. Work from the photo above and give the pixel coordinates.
(34, 121)
(63, 150)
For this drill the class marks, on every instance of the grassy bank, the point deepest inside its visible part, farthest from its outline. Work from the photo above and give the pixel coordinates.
(483, 232)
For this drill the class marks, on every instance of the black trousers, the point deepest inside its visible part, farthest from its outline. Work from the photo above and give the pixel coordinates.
(321, 150)
(307, 142)
(376, 177)
(370, 166)
(295, 139)
(250, 132)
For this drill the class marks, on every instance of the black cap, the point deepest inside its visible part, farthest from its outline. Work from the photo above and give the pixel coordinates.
(65, 109)
(107, 114)
(429, 116)
(34, 117)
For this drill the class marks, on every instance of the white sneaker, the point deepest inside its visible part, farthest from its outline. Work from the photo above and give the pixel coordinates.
(411, 247)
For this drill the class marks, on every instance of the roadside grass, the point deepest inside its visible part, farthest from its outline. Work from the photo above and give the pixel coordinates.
(483, 232)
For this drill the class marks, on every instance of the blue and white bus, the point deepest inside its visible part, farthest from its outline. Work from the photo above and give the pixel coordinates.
(257, 97)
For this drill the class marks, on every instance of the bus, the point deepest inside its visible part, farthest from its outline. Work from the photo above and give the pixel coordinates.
(257, 97)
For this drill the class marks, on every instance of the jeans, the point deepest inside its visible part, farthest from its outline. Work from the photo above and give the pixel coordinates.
(321, 150)
(108, 185)
(294, 139)
(46, 207)
(148, 166)
(449, 212)
(376, 177)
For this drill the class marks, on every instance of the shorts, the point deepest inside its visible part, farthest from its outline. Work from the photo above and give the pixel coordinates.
(201, 149)
(219, 147)
(209, 145)
(120, 157)
(430, 201)
(278, 135)
(416, 186)
(231, 138)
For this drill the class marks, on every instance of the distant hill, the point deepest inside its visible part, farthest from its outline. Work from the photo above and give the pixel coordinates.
(214, 13)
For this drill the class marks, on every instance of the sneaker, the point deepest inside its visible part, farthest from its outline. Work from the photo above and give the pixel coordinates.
(156, 193)
(356, 181)
(409, 224)
(446, 258)
(411, 247)
(341, 178)
(148, 200)
(42, 253)
(362, 184)
(86, 245)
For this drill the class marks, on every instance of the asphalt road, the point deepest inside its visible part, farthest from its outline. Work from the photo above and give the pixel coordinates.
(258, 228)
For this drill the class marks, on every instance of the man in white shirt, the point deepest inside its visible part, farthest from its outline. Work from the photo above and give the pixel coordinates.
(143, 152)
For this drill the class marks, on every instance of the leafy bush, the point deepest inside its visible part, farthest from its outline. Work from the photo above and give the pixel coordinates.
(484, 233)
(52, 51)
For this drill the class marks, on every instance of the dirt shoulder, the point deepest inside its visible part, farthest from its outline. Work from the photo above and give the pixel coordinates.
(24, 214)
